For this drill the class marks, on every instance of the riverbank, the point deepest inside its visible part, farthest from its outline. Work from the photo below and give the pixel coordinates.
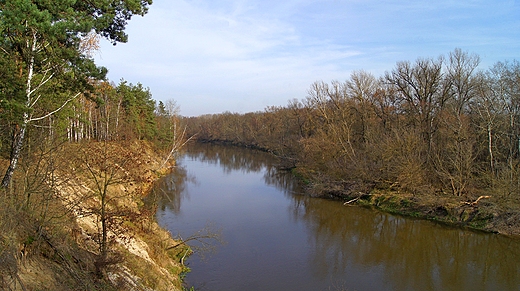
(480, 211)
(62, 248)
(483, 210)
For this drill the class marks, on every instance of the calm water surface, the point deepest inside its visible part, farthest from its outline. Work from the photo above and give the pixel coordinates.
(276, 238)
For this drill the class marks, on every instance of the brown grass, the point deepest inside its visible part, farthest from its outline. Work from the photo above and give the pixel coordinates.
(45, 246)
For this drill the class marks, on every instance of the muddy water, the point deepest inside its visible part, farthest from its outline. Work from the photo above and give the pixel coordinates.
(276, 238)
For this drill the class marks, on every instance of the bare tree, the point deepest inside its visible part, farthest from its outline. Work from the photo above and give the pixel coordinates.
(106, 166)
(504, 78)
(456, 152)
(361, 87)
(178, 132)
(420, 85)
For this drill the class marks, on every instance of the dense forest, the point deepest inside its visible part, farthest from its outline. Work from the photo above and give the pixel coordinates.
(433, 127)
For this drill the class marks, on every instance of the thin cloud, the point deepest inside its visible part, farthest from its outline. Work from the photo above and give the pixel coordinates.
(243, 55)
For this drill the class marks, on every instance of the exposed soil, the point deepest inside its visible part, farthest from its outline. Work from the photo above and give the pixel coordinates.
(64, 255)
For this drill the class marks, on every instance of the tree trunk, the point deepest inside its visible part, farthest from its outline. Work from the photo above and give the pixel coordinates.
(19, 133)
(490, 150)
(18, 138)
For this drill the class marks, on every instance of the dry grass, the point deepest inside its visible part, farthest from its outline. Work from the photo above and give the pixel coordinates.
(48, 242)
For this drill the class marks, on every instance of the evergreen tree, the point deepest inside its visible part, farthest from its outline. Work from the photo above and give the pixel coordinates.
(139, 108)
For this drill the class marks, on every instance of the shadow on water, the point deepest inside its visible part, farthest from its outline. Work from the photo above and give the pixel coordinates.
(357, 248)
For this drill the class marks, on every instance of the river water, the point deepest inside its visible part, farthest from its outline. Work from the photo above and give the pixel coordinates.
(277, 238)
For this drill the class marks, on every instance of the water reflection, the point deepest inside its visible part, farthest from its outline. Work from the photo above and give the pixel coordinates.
(231, 158)
(169, 193)
(352, 244)
(412, 254)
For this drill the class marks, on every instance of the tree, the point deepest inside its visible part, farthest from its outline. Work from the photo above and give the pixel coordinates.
(107, 168)
(41, 45)
(503, 79)
(421, 88)
(461, 79)
(171, 133)
(139, 108)
(489, 111)
(456, 152)
(168, 121)
(361, 87)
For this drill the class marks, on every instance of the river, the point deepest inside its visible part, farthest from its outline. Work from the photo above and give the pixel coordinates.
(277, 238)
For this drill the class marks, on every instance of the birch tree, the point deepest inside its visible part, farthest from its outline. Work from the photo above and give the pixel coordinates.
(41, 42)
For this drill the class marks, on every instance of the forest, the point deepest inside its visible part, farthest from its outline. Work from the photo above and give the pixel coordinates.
(438, 129)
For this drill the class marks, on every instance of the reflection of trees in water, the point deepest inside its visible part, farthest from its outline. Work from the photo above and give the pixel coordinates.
(245, 160)
(231, 158)
(169, 191)
(413, 254)
(282, 180)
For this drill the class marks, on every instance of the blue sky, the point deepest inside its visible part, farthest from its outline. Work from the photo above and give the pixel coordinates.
(244, 55)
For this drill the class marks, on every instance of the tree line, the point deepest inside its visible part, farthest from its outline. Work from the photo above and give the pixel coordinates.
(434, 125)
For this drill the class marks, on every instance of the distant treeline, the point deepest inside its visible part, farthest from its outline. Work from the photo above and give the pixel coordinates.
(435, 125)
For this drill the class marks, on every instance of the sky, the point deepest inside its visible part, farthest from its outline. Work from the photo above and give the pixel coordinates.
(213, 56)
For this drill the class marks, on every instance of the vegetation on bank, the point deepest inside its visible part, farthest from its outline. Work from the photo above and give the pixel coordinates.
(73, 214)
(436, 138)
(58, 232)
(78, 153)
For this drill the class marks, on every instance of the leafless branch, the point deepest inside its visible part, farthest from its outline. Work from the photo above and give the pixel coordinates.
(54, 111)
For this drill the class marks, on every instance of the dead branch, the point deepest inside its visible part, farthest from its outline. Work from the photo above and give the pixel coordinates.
(361, 194)
(474, 203)
(184, 256)
(350, 201)
(199, 238)
(205, 241)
